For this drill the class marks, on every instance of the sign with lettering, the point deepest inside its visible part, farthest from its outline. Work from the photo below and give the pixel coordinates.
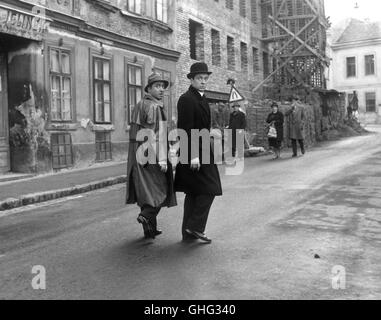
(23, 24)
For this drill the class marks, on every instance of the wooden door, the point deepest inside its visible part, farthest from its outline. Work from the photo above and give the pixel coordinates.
(4, 144)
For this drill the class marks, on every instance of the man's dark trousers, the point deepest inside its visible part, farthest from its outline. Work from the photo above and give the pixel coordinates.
(151, 214)
(196, 212)
(295, 146)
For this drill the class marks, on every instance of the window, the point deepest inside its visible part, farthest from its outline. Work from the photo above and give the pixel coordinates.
(216, 48)
(102, 90)
(60, 85)
(196, 35)
(134, 88)
(255, 61)
(242, 8)
(266, 65)
(370, 101)
(230, 4)
(244, 59)
(103, 146)
(134, 6)
(254, 11)
(62, 150)
(369, 65)
(162, 10)
(351, 67)
(231, 53)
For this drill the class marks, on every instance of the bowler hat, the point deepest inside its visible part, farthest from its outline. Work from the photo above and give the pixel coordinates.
(198, 68)
(154, 77)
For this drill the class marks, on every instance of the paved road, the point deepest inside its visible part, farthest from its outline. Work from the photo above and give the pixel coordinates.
(267, 230)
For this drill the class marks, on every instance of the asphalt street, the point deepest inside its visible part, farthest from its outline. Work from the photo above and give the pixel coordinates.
(278, 232)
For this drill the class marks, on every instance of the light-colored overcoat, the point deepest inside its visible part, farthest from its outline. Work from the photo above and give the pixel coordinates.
(147, 184)
(297, 118)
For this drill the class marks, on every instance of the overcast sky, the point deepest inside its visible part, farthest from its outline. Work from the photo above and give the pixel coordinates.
(339, 10)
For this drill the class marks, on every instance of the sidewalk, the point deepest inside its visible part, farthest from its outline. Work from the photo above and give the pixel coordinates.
(42, 188)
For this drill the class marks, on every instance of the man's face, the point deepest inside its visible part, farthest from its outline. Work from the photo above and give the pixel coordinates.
(157, 90)
(200, 81)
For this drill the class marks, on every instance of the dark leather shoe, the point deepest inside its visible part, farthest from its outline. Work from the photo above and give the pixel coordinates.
(156, 233)
(199, 235)
(149, 232)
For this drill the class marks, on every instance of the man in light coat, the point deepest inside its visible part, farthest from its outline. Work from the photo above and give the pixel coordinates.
(150, 184)
(297, 118)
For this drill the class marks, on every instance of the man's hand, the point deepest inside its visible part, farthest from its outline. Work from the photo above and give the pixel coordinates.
(195, 164)
(163, 166)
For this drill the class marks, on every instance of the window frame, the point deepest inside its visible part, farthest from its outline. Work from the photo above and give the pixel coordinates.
(165, 6)
(375, 102)
(93, 55)
(374, 64)
(49, 46)
(347, 65)
(134, 11)
(107, 142)
(216, 47)
(127, 63)
(59, 155)
(244, 52)
(231, 59)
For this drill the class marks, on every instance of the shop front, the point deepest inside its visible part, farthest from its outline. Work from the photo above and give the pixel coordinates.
(21, 32)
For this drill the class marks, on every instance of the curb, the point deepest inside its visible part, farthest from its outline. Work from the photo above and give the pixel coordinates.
(25, 200)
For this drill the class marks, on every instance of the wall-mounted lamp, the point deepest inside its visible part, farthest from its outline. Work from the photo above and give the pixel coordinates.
(135, 59)
(60, 42)
(102, 49)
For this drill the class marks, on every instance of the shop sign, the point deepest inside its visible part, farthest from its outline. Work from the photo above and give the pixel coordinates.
(23, 24)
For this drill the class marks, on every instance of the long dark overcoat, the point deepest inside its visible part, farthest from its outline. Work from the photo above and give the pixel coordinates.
(278, 120)
(147, 184)
(194, 113)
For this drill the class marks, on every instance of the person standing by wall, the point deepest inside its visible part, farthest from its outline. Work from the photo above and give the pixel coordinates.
(199, 181)
(276, 119)
(297, 118)
(237, 125)
(150, 185)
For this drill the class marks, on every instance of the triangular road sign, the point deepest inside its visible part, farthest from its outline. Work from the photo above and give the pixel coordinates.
(235, 96)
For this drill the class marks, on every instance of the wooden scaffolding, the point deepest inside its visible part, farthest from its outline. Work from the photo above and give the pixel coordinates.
(294, 36)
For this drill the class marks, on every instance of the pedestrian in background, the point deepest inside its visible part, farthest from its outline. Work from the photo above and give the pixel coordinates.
(237, 125)
(297, 117)
(150, 185)
(199, 181)
(276, 119)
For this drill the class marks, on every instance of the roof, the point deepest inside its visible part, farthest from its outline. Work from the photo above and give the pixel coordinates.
(358, 30)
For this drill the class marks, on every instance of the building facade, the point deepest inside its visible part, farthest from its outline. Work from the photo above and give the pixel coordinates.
(226, 34)
(71, 73)
(356, 66)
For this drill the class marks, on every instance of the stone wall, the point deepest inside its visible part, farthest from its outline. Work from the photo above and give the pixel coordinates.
(213, 15)
(324, 113)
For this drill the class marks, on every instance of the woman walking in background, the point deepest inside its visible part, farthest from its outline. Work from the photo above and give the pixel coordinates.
(276, 120)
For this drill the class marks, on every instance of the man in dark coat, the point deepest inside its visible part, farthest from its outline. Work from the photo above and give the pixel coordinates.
(198, 179)
(237, 124)
(150, 184)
